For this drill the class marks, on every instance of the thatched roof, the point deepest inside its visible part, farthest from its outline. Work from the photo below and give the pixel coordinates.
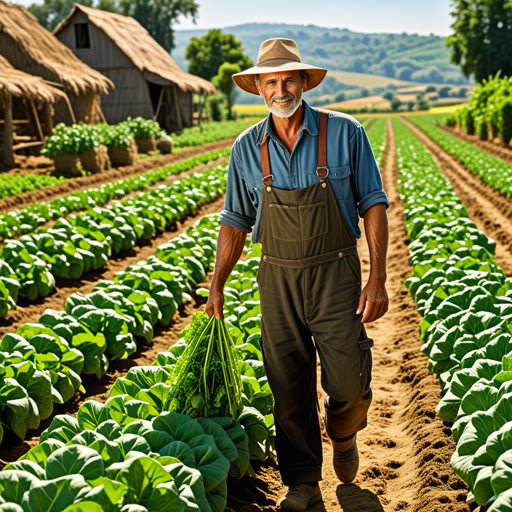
(21, 85)
(33, 49)
(138, 45)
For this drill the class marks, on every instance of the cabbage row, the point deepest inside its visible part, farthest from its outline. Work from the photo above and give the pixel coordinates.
(466, 304)
(132, 454)
(75, 245)
(41, 363)
(377, 135)
(494, 171)
(26, 220)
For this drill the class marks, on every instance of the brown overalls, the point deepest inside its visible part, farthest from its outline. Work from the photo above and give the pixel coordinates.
(310, 284)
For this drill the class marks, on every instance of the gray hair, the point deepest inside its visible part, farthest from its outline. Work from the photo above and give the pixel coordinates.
(303, 74)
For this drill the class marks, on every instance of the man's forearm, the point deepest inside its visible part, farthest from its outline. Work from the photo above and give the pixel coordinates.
(230, 246)
(376, 229)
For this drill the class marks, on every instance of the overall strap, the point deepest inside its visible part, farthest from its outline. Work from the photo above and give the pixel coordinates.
(322, 170)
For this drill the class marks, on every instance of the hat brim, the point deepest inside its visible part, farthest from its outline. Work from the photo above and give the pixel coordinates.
(245, 79)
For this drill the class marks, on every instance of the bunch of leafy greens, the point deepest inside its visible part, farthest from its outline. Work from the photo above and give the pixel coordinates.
(206, 379)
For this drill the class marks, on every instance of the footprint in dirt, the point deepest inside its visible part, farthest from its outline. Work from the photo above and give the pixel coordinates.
(352, 498)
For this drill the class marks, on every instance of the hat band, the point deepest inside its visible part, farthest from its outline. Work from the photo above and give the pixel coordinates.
(277, 62)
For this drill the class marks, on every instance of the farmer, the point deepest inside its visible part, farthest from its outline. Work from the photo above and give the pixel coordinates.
(299, 178)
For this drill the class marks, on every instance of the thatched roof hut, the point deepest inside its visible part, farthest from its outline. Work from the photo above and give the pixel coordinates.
(25, 106)
(31, 48)
(147, 80)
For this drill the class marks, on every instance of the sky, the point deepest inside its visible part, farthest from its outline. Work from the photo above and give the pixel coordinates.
(395, 16)
(359, 16)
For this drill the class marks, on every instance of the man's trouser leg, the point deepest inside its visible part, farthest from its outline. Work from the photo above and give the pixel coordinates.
(297, 304)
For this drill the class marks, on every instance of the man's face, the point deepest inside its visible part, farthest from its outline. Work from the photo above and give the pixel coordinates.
(282, 92)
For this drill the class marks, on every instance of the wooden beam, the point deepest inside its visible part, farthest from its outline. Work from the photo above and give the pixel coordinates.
(6, 149)
(101, 112)
(23, 145)
(157, 111)
(177, 108)
(36, 118)
(71, 113)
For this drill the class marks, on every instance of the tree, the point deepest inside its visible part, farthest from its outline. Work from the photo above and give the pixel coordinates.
(482, 37)
(395, 103)
(225, 84)
(51, 12)
(206, 54)
(159, 16)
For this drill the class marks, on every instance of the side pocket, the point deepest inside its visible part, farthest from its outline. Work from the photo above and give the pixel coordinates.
(365, 360)
(353, 266)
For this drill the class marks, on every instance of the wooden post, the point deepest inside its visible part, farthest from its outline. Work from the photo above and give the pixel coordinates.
(36, 118)
(71, 113)
(6, 151)
(177, 108)
(157, 111)
(100, 112)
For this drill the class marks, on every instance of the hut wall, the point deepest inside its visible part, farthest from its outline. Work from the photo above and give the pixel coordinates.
(186, 107)
(130, 96)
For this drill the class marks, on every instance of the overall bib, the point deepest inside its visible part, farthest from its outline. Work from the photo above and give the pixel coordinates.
(310, 284)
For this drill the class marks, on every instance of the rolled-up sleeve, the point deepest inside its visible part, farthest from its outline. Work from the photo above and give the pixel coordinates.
(367, 181)
(239, 212)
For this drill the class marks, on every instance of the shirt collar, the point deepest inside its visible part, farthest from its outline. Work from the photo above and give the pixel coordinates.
(310, 124)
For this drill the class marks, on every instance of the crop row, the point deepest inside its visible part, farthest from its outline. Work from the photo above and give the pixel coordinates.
(466, 303)
(12, 184)
(26, 220)
(73, 246)
(494, 171)
(41, 363)
(377, 135)
(134, 453)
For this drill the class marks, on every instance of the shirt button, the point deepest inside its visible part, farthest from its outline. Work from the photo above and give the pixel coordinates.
(293, 174)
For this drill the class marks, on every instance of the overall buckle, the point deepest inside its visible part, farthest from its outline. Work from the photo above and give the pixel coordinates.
(322, 178)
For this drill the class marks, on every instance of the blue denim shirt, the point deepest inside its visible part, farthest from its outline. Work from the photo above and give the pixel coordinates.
(353, 172)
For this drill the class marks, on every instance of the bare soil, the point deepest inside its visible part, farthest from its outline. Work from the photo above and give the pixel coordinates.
(490, 210)
(495, 147)
(75, 184)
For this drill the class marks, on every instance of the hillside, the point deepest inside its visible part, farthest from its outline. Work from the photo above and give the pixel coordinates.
(404, 57)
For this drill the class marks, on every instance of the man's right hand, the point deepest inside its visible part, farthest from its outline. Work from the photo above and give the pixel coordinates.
(215, 305)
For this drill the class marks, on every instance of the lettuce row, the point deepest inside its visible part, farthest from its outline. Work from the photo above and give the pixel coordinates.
(493, 170)
(466, 303)
(41, 363)
(130, 454)
(26, 220)
(76, 245)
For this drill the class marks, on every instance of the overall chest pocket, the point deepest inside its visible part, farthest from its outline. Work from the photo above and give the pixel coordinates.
(298, 223)
(339, 178)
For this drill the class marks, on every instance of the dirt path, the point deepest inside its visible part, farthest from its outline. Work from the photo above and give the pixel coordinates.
(496, 147)
(487, 208)
(45, 194)
(405, 450)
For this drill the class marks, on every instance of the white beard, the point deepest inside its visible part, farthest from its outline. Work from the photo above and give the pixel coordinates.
(287, 111)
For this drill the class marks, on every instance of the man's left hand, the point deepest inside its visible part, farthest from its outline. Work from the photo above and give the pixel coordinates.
(373, 302)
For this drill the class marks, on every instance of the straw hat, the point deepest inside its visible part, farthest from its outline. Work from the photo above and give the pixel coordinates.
(277, 55)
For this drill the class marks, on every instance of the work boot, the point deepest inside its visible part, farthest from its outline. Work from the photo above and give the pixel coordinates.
(345, 459)
(300, 496)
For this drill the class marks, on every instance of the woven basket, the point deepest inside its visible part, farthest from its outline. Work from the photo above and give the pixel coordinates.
(146, 145)
(123, 156)
(96, 160)
(68, 164)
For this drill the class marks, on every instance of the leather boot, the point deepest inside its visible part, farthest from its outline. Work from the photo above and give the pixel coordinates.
(300, 496)
(345, 459)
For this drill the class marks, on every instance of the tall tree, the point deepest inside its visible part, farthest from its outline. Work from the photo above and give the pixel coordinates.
(223, 81)
(206, 54)
(51, 12)
(159, 16)
(482, 37)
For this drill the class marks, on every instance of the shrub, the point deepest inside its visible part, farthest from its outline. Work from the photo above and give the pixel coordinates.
(142, 128)
(451, 120)
(505, 119)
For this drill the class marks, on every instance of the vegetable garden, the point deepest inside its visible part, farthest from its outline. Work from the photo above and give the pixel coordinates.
(117, 393)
